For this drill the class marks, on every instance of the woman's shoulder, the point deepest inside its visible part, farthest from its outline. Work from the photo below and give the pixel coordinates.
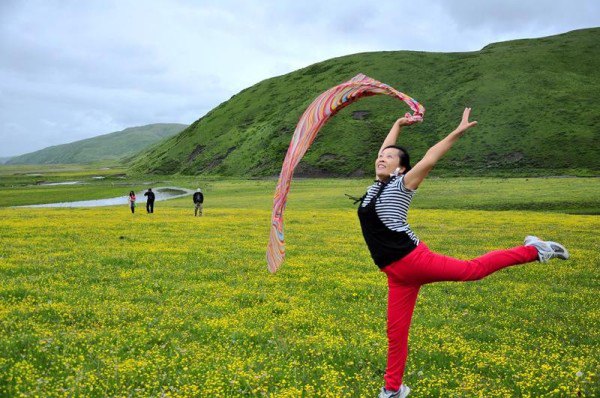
(398, 183)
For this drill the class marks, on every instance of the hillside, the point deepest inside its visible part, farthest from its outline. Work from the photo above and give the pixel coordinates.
(113, 146)
(536, 101)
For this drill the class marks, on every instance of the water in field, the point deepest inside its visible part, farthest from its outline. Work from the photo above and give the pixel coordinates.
(162, 193)
(60, 183)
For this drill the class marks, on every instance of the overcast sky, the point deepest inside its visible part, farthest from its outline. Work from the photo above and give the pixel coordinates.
(74, 69)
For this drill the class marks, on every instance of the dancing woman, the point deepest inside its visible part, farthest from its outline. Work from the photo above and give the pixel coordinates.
(408, 262)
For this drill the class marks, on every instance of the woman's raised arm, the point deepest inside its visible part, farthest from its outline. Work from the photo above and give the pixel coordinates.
(417, 174)
(392, 136)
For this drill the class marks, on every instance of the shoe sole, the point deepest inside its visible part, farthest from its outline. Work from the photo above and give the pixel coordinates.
(562, 252)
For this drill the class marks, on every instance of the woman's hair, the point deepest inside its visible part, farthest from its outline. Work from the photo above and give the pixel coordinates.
(404, 157)
(131, 193)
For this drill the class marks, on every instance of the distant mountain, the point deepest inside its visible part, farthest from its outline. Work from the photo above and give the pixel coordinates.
(5, 159)
(113, 146)
(536, 100)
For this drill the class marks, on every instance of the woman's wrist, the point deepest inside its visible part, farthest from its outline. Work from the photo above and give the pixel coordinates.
(458, 132)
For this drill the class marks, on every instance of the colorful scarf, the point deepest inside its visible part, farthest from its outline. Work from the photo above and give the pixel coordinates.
(313, 118)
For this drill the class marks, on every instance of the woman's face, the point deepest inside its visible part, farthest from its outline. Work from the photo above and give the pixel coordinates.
(386, 163)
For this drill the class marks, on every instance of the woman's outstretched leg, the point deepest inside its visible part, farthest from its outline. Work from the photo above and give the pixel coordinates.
(434, 267)
(427, 266)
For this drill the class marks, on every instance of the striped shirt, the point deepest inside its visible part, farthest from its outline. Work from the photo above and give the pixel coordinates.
(392, 205)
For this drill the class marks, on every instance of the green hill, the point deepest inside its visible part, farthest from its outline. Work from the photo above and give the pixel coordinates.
(113, 146)
(536, 101)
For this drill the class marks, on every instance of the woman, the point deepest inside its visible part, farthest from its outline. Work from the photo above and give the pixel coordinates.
(132, 201)
(408, 262)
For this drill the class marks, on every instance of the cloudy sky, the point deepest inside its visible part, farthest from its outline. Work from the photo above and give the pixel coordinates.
(73, 69)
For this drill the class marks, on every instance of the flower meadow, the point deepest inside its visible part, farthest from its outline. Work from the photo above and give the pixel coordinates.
(100, 302)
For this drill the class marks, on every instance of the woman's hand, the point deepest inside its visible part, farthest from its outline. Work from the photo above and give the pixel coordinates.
(464, 123)
(403, 121)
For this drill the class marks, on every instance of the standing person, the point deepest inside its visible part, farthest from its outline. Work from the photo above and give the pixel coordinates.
(408, 262)
(132, 201)
(198, 200)
(150, 201)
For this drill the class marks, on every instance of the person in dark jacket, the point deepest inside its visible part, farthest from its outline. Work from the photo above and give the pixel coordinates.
(198, 201)
(150, 201)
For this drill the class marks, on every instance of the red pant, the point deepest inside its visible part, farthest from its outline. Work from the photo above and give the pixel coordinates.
(421, 266)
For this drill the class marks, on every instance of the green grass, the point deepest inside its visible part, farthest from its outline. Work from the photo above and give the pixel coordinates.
(23, 184)
(536, 102)
(563, 195)
(18, 175)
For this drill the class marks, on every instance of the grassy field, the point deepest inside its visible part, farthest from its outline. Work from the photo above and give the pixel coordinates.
(100, 302)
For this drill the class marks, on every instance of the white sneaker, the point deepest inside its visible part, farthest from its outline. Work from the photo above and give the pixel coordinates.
(401, 393)
(546, 249)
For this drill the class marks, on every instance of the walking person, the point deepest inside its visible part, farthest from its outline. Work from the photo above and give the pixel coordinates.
(407, 261)
(198, 201)
(132, 201)
(150, 201)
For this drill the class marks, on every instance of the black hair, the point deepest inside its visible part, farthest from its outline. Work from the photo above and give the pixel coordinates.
(131, 193)
(404, 157)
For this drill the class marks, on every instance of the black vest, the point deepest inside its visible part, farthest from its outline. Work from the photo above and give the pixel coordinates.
(385, 245)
